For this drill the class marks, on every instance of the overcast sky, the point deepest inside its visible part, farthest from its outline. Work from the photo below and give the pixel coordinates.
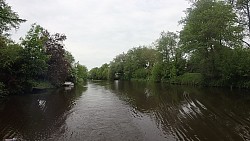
(98, 30)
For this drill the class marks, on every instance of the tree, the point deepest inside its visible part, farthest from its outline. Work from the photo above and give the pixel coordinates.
(10, 59)
(72, 74)
(8, 18)
(139, 62)
(242, 8)
(116, 70)
(209, 26)
(59, 67)
(169, 55)
(23, 65)
(104, 72)
(166, 45)
(34, 56)
(157, 72)
(69, 57)
(101, 73)
(81, 73)
(93, 74)
(11, 76)
(235, 67)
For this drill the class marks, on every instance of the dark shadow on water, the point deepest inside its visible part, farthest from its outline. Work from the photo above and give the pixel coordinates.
(37, 116)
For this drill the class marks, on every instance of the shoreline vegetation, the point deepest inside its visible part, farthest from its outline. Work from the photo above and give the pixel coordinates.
(39, 62)
(212, 49)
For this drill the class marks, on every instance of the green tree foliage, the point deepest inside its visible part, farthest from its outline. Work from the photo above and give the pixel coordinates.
(117, 67)
(101, 73)
(139, 62)
(93, 74)
(135, 64)
(209, 50)
(210, 26)
(40, 57)
(157, 72)
(72, 76)
(10, 59)
(34, 55)
(104, 71)
(235, 67)
(77, 73)
(242, 8)
(166, 45)
(45, 58)
(69, 57)
(11, 76)
(81, 73)
(169, 56)
(8, 18)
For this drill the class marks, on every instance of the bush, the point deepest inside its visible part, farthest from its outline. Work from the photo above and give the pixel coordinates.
(140, 74)
(156, 73)
(188, 79)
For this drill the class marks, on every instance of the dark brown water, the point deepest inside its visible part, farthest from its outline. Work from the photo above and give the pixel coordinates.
(122, 111)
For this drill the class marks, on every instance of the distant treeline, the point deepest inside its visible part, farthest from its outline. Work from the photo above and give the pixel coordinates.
(40, 60)
(212, 49)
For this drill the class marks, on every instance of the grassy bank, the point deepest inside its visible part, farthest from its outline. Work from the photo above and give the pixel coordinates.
(196, 79)
(187, 79)
(43, 85)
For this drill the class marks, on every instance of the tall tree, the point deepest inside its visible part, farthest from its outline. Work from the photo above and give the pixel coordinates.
(59, 67)
(242, 8)
(12, 77)
(34, 55)
(116, 70)
(139, 62)
(170, 56)
(166, 45)
(210, 26)
(10, 59)
(81, 73)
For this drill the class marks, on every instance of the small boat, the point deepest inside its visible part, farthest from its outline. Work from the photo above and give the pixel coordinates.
(68, 84)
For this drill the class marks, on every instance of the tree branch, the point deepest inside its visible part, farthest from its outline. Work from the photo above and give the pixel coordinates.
(13, 19)
(246, 43)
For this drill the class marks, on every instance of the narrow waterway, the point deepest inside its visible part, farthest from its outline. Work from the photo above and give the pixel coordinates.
(128, 111)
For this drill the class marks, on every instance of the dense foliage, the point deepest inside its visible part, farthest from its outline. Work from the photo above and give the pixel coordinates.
(211, 49)
(39, 58)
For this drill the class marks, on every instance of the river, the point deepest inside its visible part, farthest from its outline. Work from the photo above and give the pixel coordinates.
(128, 111)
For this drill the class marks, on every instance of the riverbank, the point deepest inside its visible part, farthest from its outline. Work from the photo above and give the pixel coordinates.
(196, 79)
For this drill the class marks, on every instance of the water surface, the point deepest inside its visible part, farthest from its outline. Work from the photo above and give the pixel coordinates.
(125, 111)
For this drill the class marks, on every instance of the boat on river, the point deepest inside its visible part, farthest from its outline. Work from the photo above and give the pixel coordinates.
(67, 84)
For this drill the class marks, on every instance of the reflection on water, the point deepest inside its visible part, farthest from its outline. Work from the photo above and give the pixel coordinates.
(34, 117)
(128, 111)
(186, 113)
